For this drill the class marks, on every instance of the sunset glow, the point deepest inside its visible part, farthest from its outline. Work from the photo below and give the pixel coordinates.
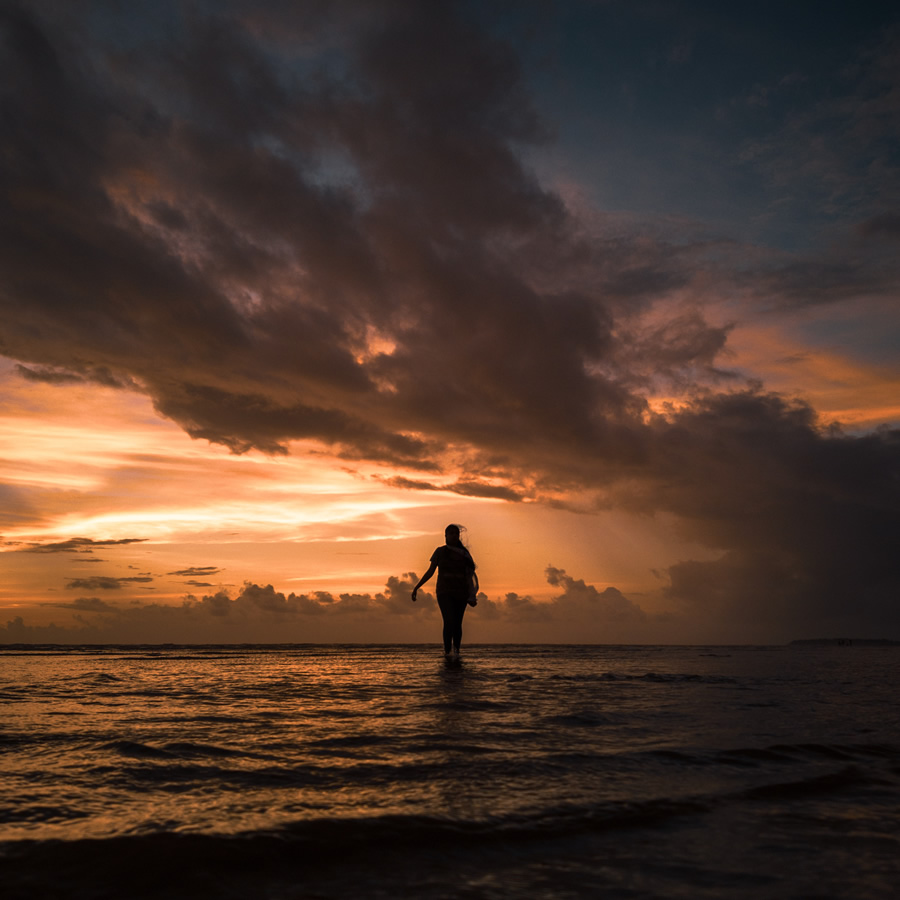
(291, 310)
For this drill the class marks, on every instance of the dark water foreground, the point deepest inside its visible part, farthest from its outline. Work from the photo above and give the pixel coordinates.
(303, 772)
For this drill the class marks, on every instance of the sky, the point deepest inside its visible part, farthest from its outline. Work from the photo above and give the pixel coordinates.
(286, 288)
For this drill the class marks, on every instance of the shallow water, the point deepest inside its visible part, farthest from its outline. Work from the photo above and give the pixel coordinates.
(526, 771)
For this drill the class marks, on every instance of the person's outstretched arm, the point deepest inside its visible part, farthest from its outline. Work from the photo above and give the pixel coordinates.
(422, 580)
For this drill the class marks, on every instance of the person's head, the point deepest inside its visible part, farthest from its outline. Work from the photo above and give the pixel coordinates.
(451, 535)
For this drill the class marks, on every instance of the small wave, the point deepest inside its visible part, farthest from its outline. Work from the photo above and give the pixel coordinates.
(813, 751)
(12, 740)
(188, 749)
(879, 751)
(176, 750)
(754, 756)
(467, 705)
(579, 720)
(103, 677)
(692, 678)
(779, 755)
(832, 782)
(650, 677)
(134, 748)
(330, 839)
(675, 756)
(579, 677)
(215, 719)
(351, 741)
(14, 693)
(24, 814)
(459, 749)
(806, 753)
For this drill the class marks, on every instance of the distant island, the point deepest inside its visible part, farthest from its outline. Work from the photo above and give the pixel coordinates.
(844, 642)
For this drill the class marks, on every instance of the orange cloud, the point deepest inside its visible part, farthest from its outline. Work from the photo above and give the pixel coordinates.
(842, 388)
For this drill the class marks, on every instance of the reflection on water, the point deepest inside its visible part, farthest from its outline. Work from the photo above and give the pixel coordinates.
(573, 747)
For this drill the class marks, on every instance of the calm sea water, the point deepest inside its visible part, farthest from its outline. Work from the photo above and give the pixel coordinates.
(527, 771)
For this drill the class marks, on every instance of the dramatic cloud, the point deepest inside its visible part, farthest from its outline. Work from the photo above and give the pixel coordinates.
(326, 224)
(581, 613)
(806, 521)
(260, 613)
(257, 613)
(338, 241)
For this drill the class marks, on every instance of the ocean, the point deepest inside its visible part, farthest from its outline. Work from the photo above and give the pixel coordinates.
(381, 771)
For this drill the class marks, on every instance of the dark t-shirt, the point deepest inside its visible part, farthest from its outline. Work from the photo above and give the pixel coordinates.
(454, 567)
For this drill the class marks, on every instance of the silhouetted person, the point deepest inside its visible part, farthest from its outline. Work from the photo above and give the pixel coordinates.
(457, 586)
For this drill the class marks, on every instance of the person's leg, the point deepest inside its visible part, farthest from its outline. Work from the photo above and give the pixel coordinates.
(459, 610)
(447, 614)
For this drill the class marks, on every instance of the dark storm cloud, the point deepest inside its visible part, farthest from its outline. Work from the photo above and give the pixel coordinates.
(807, 523)
(885, 225)
(286, 224)
(679, 353)
(314, 211)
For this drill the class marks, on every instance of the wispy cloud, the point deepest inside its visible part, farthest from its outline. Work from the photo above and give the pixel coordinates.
(105, 582)
(197, 570)
(79, 545)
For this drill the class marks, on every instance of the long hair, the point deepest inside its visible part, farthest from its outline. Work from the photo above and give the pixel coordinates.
(459, 532)
(458, 544)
